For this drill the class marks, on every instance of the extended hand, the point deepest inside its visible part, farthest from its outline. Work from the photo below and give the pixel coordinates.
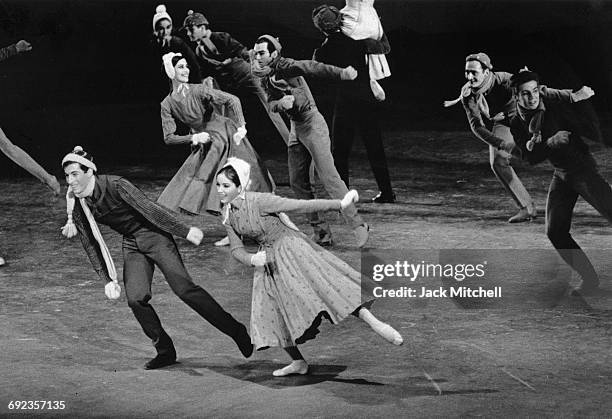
(584, 93)
(259, 258)
(54, 185)
(239, 135)
(112, 290)
(200, 138)
(348, 73)
(350, 198)
(560, 139)
(195, 235)
(23, 46)
(287, 101)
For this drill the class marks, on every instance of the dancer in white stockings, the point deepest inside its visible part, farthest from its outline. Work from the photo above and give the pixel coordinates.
(296, 283)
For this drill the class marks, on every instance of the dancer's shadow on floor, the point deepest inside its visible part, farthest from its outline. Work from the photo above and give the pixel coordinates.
(260, 372)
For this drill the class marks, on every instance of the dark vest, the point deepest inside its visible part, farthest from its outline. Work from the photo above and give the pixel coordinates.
(111, 210)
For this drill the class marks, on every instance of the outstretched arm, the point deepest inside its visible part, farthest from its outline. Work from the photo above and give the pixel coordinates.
(269, 203)
(24, 160)
(156, 214)
(310, 68)
(21, 46)
(566, 95)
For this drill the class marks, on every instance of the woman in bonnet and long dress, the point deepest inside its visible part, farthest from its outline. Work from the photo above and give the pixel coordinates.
(216, 131)
(296, 282)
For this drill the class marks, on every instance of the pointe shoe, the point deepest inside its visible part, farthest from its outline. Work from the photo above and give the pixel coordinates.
(223, 242)
(389, 334)
(299, 367)
(527, 213)
(2, 261)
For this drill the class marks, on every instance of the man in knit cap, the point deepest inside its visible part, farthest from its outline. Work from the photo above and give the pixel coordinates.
(488, 103)
(288, 92)
(224, 58)
(147, 230)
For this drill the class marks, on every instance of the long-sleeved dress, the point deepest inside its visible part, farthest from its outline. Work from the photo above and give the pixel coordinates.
(219, 114)
(302, 283)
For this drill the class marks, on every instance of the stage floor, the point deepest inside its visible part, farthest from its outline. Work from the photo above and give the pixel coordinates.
(62, 340)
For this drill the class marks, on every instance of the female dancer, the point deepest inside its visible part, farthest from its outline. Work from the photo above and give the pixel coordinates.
(297, 283)
(215, 119)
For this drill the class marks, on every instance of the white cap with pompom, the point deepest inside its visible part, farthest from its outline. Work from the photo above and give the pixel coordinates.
(160, 13)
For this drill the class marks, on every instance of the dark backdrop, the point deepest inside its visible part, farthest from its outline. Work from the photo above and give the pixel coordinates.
(91, 78)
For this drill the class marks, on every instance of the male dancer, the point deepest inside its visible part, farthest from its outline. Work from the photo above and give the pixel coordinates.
(147, 230)
(547, 128)
(287, 91)
(221, 56)
(355, 106)
(14, 152)
(488, 103)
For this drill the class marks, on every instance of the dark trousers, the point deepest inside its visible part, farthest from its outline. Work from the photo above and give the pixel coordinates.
(350, 115)
(562, 195)
(140, 255)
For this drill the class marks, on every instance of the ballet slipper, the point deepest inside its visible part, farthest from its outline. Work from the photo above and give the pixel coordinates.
(383, 329)
(388, 333)
(223, 242)
(299, 367)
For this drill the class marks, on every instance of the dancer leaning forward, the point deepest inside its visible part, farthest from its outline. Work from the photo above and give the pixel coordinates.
(297, 283)
(147, 230)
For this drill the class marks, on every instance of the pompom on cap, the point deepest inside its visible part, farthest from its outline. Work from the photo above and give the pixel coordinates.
(160, 9)
(77, 149)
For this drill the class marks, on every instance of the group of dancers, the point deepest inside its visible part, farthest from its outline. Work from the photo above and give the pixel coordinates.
(297, 282)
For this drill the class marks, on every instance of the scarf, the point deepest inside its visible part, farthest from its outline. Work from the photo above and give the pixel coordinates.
(69, 230)
(534, 119)
(478, 92)
(264, 67)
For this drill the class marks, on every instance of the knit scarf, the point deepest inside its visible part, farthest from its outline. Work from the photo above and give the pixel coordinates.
(534, 118)
(478, 92)
(263, 67)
